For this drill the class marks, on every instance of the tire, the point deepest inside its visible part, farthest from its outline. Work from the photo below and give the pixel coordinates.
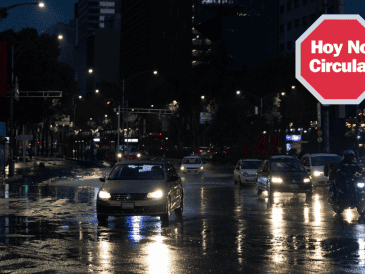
(165, 218)
(337, 209)
(102, 218)
(258, 190)
(179, 211)
(361, 210)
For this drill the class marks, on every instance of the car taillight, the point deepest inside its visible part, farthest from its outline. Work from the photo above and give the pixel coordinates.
(193, 152)
(161, 148)
(200, 151)
(208, 151)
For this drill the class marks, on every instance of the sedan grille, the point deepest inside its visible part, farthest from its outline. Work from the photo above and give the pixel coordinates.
(133, 196)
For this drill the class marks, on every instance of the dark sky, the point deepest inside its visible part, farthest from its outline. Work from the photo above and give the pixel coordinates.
(35, 17)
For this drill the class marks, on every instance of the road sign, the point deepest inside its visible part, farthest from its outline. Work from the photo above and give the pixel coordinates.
(331, 64)
(24, 137)
(319, 133)
(319, 139)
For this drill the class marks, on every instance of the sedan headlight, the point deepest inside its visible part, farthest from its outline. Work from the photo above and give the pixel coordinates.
(276, 180)
(201, 168)
(360, 185)
(138, 155)
(155, 195)
(182, 168)
(104, 194)
(306, 180)
(317, 173)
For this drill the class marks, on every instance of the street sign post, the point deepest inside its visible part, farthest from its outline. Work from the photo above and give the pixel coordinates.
(330, 59)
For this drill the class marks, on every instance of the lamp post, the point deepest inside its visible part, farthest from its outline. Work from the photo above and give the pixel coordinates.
(125, 82)
(4, 10)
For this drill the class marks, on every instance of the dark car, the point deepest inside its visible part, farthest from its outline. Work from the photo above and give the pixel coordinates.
(283, 174)
(203, 152)
(147, 188)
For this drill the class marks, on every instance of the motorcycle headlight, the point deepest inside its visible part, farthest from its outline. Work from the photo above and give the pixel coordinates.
(360, 185)
(155, 195)
(104, 195)
(317, 173)
(276, 180)
(182, 168)
(306, 180)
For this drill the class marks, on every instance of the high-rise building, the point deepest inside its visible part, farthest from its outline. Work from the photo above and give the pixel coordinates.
(248, 27)
(156, 35)
(97, 42)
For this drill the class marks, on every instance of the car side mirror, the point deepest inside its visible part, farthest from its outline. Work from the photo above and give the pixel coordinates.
(102, 179)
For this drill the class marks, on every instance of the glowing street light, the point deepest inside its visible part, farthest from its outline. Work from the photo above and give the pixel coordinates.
(80, 97)
(283, 93)
(238, 92)
(97, 91)
(155, 72)
(41, 4)
(202, 97)
(90, 70)
(60, 37)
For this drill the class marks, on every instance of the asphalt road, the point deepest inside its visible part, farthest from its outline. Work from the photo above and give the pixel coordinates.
(51, 228)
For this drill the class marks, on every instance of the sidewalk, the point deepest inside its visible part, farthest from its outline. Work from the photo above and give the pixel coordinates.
(43, 167)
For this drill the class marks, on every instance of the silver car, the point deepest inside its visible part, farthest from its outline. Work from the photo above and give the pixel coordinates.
(246, 171)
(141, 188)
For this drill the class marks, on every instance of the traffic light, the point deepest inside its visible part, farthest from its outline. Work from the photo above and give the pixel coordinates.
(109, 102)
(359, 116)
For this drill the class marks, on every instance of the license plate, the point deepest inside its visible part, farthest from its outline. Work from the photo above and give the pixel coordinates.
(293, 186)
(127, 205)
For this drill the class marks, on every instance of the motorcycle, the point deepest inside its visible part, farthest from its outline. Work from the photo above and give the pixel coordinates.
(355, 199)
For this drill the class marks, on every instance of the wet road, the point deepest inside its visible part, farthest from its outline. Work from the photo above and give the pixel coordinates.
(52, 228)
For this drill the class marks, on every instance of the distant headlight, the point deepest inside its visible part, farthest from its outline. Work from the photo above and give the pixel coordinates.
(104, 195)
(201, 168)
(276, 180)
(317, 173)
(182, 168)
(119, 155)
(155, 195)
(360, 185)
(138, 155)
(306, 180)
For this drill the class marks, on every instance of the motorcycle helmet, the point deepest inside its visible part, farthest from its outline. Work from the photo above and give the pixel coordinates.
(348, 155)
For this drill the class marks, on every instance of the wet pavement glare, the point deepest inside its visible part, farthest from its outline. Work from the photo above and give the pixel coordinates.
(226, 228)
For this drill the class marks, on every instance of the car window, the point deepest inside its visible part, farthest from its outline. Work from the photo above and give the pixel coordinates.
(250, 164)
(137, 172)
(192, 161)
(325, 160)
(287, 165)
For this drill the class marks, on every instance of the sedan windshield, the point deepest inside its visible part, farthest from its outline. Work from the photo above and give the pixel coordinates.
(250, 164)
(137, 172)
(287, 166)
(192, 161)
(325, 160)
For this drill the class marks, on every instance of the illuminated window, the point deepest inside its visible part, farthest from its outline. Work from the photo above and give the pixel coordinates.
(101, 25)
(107, 4)
(101, 18)
(106, 10)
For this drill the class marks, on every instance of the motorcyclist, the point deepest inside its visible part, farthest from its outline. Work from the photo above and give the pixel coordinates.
(343, 182)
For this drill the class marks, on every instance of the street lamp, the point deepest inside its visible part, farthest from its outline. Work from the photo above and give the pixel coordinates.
(202, 97)
(4, 11)
(125, 83)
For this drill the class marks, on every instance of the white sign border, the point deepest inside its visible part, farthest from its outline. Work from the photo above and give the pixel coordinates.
(298, 59)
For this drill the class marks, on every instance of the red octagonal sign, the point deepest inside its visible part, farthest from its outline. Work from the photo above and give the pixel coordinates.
(330, 59)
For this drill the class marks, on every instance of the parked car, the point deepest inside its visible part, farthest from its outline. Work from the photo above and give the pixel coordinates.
(246, 171)
(192, 165)
(315, 165)
(283, 174)
(147, 188)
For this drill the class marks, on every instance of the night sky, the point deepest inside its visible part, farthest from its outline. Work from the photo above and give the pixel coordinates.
(35, 17)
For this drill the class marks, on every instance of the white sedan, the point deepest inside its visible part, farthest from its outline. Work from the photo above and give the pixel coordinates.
(246, 170)
(192, 165)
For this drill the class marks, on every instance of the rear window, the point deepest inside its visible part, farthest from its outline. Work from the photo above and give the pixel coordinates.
(325, 160)
(251, 164)
(192, 161)
(137, 172)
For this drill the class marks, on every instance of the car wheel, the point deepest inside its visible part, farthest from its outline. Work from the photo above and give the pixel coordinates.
(179, 211)
(258, 190)
(166, 216)
(102, 218)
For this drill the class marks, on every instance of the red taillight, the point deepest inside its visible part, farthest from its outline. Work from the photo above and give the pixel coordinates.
(193, 152)
(200, 151)
(160, 148)
(224, 152)
(208, 151)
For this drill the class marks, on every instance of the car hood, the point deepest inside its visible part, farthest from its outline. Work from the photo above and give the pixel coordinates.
(133, 186)
(290, 174)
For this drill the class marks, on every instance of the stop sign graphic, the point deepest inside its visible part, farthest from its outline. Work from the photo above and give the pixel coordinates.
(330, 59)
